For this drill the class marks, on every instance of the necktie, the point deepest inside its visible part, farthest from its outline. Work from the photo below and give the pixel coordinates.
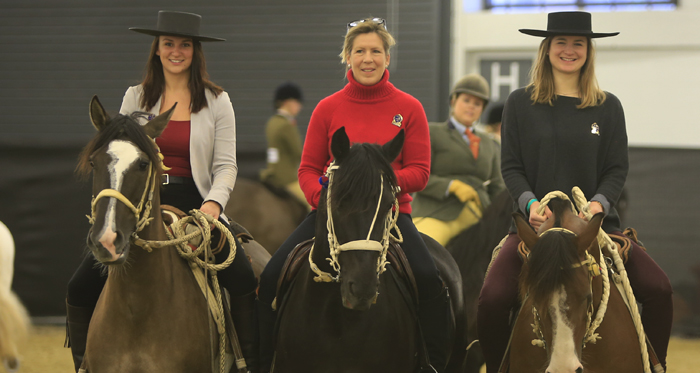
(473, 142)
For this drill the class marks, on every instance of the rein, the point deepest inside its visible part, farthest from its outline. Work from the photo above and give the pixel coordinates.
(369, 245)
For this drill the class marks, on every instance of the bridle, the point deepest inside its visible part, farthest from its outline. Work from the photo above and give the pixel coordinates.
(367, 245)
(593, 270)
(142, 211)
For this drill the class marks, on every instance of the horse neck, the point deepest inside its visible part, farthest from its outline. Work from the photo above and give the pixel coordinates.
(140, 281)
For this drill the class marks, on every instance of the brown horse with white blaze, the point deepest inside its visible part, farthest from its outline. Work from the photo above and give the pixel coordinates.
(151, 315)
(562, 290)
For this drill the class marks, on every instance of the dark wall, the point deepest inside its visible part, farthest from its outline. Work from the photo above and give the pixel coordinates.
(58, 54)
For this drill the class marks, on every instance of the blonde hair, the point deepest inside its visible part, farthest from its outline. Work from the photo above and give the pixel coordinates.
(541, 85)
(366, 27)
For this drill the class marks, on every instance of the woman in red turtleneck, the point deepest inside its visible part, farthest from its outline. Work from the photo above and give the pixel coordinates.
(372, 110)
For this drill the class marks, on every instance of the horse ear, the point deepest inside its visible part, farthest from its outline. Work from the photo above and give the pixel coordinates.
(392, 149)
(98, 115)
(590, 233)
(525, 231)
(340, 144)
(156, 125)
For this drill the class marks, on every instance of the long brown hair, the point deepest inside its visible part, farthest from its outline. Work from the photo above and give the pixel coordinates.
(541, 85)
(154, 80)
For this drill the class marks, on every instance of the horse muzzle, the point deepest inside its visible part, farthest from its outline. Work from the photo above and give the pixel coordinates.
(109, 248)
(356, 297)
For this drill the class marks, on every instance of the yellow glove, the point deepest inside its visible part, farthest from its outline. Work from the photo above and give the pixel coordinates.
(464, 192)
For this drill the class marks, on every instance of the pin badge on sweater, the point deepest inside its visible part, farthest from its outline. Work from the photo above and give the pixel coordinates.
(397, 120)
(595, 129)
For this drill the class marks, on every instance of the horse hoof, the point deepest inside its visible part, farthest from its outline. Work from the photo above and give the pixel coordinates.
(11, 364)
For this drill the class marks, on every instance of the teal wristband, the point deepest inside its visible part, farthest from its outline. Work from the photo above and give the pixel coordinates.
(530, 204)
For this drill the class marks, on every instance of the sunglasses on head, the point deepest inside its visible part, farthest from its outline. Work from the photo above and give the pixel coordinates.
(380, 21)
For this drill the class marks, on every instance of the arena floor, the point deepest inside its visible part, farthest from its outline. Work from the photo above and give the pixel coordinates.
(44, 353)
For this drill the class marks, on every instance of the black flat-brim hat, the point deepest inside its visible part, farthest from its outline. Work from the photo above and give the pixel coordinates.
(568, 23)
(177, 24)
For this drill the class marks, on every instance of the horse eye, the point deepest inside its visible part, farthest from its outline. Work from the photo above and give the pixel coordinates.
(92, 164)
(143, 165)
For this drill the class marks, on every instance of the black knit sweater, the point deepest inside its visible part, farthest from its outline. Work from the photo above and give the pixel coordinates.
(547, 148)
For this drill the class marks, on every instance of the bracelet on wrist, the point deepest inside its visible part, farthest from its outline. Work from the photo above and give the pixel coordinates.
(530, 204)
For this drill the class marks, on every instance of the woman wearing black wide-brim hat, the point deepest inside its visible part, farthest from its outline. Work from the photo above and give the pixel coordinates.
(199, 147)
(559, 132)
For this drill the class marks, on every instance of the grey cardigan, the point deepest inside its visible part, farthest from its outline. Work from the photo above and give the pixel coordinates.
(212, 143)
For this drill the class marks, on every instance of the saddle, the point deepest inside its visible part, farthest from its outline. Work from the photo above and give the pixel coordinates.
(398, 266)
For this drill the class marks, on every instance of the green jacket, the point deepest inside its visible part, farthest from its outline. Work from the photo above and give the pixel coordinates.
(283, 152)
(451, 158)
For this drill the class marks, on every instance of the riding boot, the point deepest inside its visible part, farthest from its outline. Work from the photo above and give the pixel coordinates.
(245, 321)
(267, 318)
(77, 322)
(434, 319)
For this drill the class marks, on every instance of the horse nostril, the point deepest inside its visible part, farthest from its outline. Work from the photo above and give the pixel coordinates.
(579, 370)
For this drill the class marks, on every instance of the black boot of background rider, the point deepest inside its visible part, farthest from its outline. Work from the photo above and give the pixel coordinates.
(245, 320)
(77, 322)
(434, 319)
(266, 319)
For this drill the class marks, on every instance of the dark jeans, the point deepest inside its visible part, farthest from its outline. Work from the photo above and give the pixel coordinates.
(499, 295)
(426, 274)
(85, 286)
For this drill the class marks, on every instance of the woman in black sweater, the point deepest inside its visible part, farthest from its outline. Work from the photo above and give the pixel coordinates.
(559, 132)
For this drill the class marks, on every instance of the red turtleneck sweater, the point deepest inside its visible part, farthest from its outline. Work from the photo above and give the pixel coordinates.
(367, 113)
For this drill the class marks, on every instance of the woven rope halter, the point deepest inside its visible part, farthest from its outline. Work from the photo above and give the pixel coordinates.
(368, 245)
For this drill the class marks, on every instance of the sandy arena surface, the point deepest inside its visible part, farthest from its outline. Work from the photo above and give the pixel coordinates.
(44, 353)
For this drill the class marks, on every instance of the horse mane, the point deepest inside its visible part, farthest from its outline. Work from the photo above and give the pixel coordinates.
(119, 127)
(549, 266)
(356, 185)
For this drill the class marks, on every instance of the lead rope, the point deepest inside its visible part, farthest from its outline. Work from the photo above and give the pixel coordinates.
(605, 242)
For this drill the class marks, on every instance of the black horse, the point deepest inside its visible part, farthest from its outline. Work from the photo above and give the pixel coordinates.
(357, 323)
(472, 250)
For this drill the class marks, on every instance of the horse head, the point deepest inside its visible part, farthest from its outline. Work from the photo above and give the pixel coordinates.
(126, 169)
(556, 281)
(361, 193)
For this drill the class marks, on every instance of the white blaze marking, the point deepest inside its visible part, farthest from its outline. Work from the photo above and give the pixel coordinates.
(564, 357)
(123, 154)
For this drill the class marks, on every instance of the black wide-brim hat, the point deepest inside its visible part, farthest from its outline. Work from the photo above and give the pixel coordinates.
(177, 24)
(568, 23)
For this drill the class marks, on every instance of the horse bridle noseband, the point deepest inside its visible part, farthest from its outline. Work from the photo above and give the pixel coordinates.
(366, 244)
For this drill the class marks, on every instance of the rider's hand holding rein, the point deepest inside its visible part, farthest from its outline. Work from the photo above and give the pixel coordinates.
(536, 219)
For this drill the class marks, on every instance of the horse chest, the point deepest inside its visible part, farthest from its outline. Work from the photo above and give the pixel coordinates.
(318, 334)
